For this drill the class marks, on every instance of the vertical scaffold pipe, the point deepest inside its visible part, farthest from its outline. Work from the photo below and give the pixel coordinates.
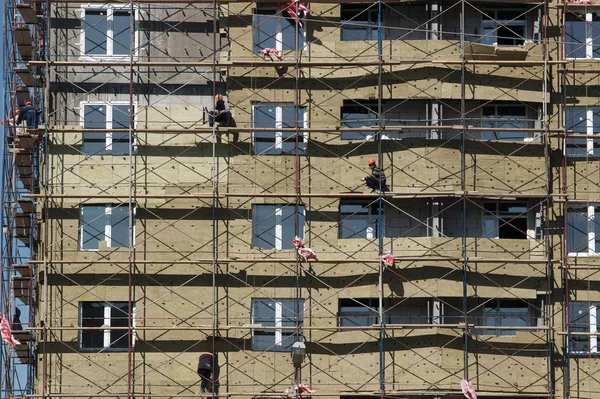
(464, 190)
(380, 200)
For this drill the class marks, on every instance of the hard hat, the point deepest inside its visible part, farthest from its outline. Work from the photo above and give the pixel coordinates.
(371, 161)
(218, 97)
(28, 103)
(17, 111)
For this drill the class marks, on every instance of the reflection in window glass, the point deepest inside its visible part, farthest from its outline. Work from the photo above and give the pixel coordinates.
(274, 226)
(276, 313)
(277, 116)
(271, 30)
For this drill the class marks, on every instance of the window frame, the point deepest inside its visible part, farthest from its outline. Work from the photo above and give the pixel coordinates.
(281, 23)
(278, 226)
(592, 328)
(592, 236)
(107, 225)
(370, 120)
(497, 305)
(497, 120)
(107, 344)
(108, 126)
(496, 216)
(370, 26)
(588, 46)
(277, 148)
(590, 129)
(278, 323)
(109, 56)
(371, 217)
(494, 26)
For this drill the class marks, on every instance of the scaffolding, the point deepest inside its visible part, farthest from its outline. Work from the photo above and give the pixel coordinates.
(137, 236)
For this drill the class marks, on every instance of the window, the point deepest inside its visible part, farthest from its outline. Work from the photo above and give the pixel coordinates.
(272, 30)
(583, 237)
(102, 314)
(106, 32)
(357, 116)
(361, 312)
(108, 223)
(507, 313)
(106, 116)
(505, 220)
(274, 226)
(280, 313)
(582, 35)
(358, 22)
(358, 219)
(358, 312)
(277, 116)
(582, 120)
(503, 27)
(504, 116)
(583, 319)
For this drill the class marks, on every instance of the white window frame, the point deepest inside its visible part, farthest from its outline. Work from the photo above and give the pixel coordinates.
(110, 9)
(589, 34)
(278, 147)
(530, 233)
(591, 233)
(107, 226)
(593, 329)
(278, 212)
(494, 26)
(109, 117)
(280, 24)
(589, 130)
(107, 319)
(278, 319)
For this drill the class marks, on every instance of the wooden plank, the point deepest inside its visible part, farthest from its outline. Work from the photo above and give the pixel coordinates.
(26, 76)
(24, 42)
(22, 352)
(25, 139)
(23, 96)
(23, 270)
(26, 205)
(27, 13)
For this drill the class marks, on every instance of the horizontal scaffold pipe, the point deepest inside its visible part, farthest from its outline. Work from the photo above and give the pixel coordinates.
(279, 394)
(292, 260)
(209, 130)
(387, 194)
(325, 63)
(459, 326)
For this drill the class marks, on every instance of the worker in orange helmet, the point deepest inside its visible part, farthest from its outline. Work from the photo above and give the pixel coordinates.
(221, 113)
(376, 182)
(29, 114)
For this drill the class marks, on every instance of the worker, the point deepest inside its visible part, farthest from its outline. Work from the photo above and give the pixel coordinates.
(208, 370)
(221, 113)
(16, 321)
(28, 114)
(376, 181)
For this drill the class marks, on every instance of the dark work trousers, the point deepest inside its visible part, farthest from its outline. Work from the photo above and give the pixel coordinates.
(207, 380)
(373, 183)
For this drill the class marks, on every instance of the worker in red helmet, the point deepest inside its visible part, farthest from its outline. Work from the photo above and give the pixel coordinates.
(376, 182)
(29, 114)
(221, 113)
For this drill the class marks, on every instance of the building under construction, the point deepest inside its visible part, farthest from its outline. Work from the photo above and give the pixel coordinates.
(137, 236)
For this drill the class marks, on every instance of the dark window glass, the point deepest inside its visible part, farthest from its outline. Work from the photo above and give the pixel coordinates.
(575, 36)
(358, 220)
(121, 32)
(506, 313)
(120, 120)
(273, 142)
(92, 315)
(118, 318)
(582, 316)
(357, 116)
(358, 22)
(358, 312)
(119, 221)
(95, 25)
(272, 30)
(92, 224)
(94, 117)
(276, 312)
(267, 220)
